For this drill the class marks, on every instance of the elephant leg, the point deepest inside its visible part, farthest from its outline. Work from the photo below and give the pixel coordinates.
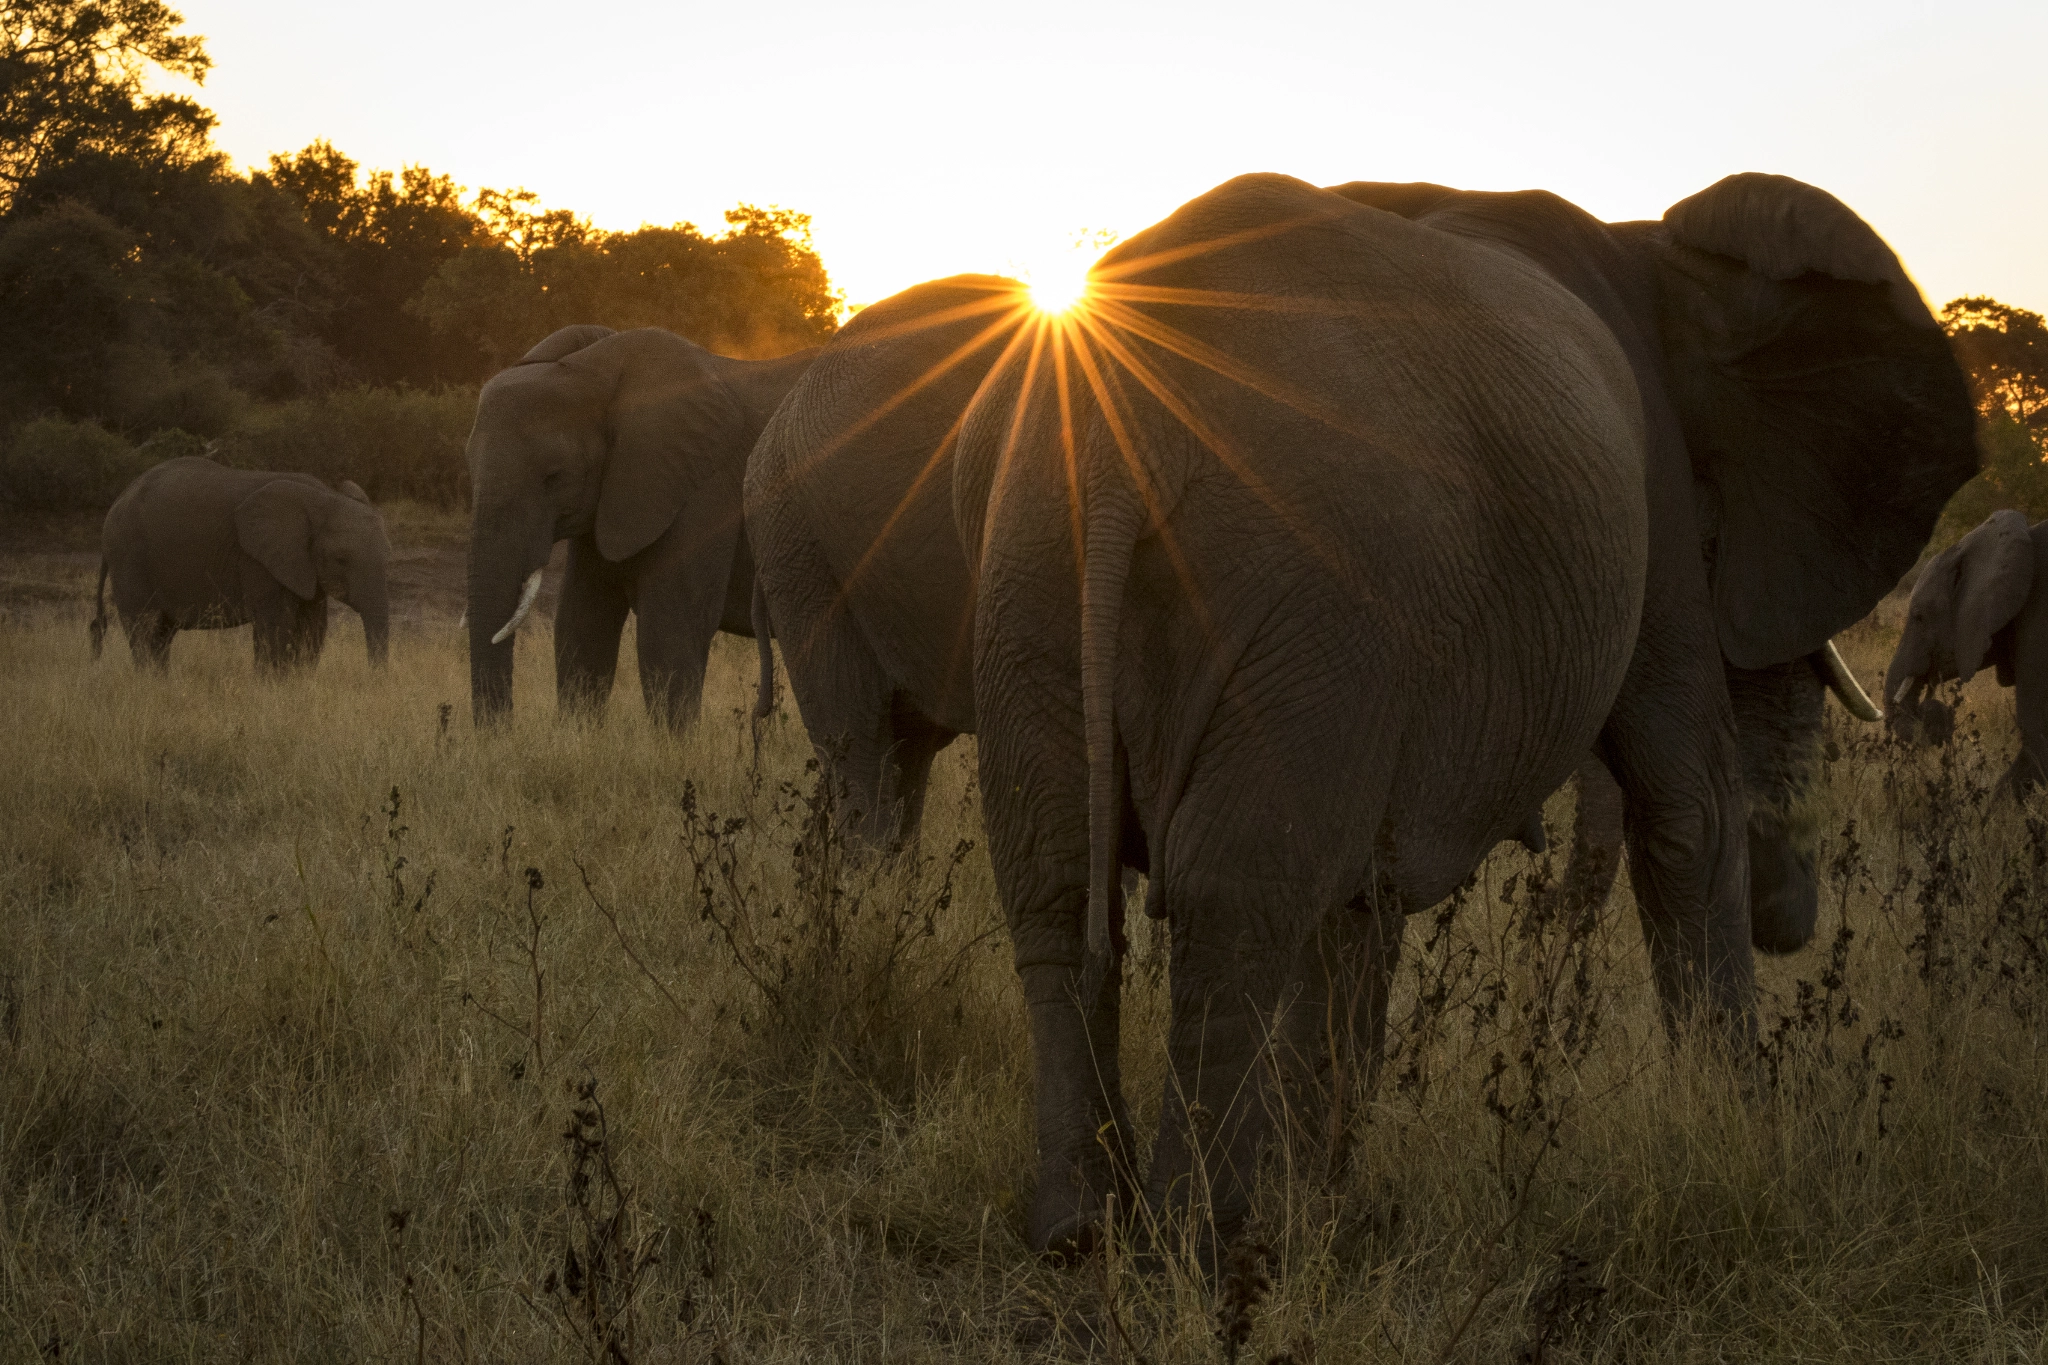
(590, 616)
(149, 639)
(848, 702)
(918, 740)
(1670, 742)
(1083, 1126)
(1335, 1021)
(309, 632)
(1778, 720)
(672, 657)
(273, 627)
(1219, 1106)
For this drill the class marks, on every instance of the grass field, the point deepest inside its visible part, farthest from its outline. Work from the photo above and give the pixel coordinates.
(333, 1030)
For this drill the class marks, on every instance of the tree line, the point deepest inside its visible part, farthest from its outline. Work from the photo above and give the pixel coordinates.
(154, 300)
(148, 287)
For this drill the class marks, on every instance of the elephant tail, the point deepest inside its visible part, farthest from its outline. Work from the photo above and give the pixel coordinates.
(99, 615)
(1106, 569)
(764, 699)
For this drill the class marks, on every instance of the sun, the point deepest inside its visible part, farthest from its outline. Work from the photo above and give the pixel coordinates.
(1059, 280)
(1057, 287)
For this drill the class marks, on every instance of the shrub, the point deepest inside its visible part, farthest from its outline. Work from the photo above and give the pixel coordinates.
(54, 464)
(2015, 474)
(396, 443)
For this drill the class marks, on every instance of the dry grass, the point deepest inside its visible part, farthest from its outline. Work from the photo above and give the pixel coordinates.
(298, 1061)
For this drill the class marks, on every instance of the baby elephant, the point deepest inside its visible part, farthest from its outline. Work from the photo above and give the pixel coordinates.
(1982, 600)
(192, 545)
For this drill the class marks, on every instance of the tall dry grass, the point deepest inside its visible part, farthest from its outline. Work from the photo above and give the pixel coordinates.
(331, 1029)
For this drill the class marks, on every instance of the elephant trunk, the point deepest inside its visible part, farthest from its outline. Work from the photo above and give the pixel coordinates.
(1778, 715)
(367, 591)
(504, 573)
(375, 610)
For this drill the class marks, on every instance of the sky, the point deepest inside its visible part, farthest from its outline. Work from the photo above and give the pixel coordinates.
(931, 138)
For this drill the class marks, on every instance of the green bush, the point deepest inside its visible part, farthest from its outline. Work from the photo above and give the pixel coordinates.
(2015, 474)
(396, 443)
(56, 465)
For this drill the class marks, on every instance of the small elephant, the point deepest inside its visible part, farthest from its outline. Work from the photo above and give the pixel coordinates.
(631, 446)
(193, 545)
(1983, 600)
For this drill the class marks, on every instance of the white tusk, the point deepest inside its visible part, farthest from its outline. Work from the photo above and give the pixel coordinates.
(526, 596)
(1846, 688)
(1899, 697)
(463, 624)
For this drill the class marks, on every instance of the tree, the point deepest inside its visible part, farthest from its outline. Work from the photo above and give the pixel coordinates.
(758, 289)
(2004, 353)
(71, 80)
(2004, 350)
(387, 234)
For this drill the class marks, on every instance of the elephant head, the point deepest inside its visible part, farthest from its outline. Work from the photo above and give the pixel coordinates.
(1792, 375)
(1956, 622)
(1827, 424)
(592, 433)
(313, 540)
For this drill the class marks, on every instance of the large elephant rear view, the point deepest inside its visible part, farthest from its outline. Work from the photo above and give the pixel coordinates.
(1351, 521)
(631, 446)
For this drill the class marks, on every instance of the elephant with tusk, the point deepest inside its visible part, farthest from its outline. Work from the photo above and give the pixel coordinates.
(631, 446)
(1983, 600)
(1332, 531)
(194, 545)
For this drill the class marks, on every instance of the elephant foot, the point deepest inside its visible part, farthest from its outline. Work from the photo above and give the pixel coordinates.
(1076, 1205)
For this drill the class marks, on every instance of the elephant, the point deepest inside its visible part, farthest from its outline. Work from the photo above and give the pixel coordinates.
(849, 514)
(858, 571)
(631, 446)
(1348, 523)
(194, 545)
(1983, 600)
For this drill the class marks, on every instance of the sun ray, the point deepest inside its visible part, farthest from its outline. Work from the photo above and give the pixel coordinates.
(1116, 271)
(932, 374)
(1170, 338)
(938, 457)
(1011, 436)
(1106, 404)
(1181, 408)
(1234, 300)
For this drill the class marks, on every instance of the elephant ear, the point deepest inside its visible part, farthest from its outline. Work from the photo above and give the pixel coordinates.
(275, 528)
(349, 488)
(564, 342)
(1784, 228)
(1969, 593)
(676, 433)
(1826, 419)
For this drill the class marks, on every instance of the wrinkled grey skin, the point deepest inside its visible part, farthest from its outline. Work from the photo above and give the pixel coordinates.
(850, 515)
(631, 446)
(193, 545)
(1983, 600)
(1408, 508)
(859, 572)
